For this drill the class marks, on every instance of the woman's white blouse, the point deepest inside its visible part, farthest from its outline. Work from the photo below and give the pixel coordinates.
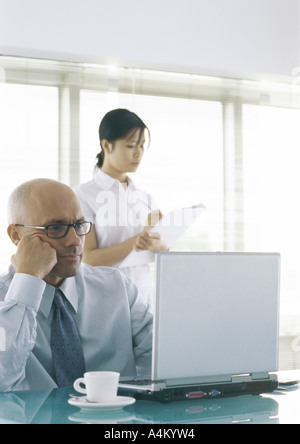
(118, 213)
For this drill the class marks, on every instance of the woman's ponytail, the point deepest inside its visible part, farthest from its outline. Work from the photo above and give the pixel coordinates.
(100, 158)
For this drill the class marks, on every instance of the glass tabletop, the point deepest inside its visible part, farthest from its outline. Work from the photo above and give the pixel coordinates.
(52, 407)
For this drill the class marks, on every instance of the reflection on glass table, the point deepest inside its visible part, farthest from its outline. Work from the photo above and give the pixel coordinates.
(51, 407)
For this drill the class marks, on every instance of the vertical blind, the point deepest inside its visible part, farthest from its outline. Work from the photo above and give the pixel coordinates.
(231, 144)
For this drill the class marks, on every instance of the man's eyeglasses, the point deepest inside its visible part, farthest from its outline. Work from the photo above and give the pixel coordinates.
(61, 230)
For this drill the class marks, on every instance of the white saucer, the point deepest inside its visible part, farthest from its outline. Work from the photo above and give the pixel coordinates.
(84, 404)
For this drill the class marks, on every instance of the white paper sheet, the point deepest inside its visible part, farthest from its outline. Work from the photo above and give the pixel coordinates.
(170, 227)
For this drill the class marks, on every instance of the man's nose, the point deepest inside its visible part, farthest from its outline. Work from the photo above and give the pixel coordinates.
(72, 238)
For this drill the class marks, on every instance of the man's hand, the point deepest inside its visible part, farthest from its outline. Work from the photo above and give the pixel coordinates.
(34, 257)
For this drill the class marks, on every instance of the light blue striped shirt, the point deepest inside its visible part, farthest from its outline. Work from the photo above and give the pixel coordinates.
(114, 323)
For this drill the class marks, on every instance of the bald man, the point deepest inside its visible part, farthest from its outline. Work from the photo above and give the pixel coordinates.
(113, 324)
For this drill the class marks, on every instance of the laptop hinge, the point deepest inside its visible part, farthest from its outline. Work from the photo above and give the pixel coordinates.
(261, 375)
(217, 379)
(198, 380)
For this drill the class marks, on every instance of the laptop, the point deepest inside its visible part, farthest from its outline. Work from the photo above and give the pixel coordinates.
(216, 327)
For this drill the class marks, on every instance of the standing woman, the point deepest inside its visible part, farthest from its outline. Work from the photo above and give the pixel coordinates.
(121, 213)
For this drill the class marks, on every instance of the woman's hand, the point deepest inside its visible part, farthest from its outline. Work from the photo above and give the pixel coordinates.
(153, 219)
(150, 241)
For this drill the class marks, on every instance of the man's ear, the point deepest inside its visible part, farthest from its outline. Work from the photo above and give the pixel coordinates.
(14, 234)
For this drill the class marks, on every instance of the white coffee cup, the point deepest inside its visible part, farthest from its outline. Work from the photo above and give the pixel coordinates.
(99, 386)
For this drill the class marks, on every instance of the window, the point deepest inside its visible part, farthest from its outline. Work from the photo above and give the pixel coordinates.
(272, 215)
(231, 144)
(271, 183)
(29, 143)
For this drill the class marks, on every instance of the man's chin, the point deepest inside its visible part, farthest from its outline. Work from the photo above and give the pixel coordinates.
(63, 271)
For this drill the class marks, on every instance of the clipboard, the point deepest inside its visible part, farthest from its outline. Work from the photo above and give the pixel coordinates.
(171, 227)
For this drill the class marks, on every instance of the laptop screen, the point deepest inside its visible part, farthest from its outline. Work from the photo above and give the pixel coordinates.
(216, 314)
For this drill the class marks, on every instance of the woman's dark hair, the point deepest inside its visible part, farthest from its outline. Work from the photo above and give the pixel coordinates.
(118, 124)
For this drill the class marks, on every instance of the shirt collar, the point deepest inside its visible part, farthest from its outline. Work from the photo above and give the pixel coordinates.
(106, 182)
(68, 287)
(103, 180)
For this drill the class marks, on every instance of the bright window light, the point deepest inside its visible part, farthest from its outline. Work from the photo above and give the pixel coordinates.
(29, 144)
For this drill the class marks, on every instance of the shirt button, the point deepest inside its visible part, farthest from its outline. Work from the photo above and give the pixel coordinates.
(33, 336)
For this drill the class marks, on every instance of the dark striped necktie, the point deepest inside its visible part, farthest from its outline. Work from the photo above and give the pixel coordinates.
(67, 353)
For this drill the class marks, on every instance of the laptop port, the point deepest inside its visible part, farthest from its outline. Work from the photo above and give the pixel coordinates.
(195, 395)
(167, 397)
(178, 394)
(215, 393)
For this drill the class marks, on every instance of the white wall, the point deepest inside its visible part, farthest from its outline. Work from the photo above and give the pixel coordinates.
(204, 36)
